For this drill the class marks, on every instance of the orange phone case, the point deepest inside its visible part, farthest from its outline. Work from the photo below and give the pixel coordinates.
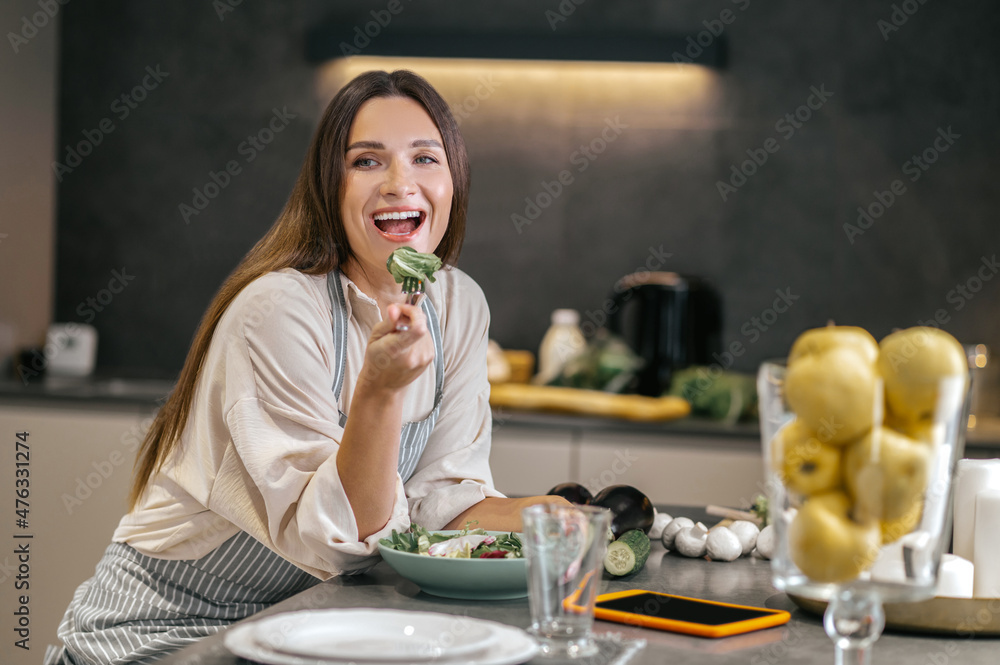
(771, 619)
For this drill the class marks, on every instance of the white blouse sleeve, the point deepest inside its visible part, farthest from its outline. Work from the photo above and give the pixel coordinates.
(454, 471)
(278, 479)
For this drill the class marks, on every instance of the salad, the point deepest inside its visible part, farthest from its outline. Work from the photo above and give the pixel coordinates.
(409, 267)
(466, 544)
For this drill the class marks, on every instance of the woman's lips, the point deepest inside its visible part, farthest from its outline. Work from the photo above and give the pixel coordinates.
(398, 225)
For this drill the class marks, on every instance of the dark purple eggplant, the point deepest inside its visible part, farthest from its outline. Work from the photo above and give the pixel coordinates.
(573, 492)
(630, 508)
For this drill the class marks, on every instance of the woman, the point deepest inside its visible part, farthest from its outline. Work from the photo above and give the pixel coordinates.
(308, 421)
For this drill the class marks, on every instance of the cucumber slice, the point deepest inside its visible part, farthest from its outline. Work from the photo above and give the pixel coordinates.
(628, 554)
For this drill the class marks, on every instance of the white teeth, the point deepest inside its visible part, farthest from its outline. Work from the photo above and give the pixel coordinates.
(382, 216)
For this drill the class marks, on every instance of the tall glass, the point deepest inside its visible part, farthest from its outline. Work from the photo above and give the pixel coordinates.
(564, 547)
(864, 521)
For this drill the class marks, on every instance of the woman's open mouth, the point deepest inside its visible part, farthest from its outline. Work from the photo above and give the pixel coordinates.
(399, 225)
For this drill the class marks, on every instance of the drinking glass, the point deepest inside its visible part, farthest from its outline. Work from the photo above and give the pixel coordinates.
(885, 520)
(564, 547)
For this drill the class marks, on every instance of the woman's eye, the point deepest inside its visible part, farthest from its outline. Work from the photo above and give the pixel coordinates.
(426, 159)
(364, 162)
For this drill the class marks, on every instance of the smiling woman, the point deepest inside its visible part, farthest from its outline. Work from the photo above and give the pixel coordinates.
(294, 441)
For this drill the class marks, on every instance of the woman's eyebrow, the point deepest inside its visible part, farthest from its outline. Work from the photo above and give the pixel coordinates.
(378, 145)
(366, 145)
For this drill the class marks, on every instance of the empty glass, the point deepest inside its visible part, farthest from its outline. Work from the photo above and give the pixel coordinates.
(564, 547)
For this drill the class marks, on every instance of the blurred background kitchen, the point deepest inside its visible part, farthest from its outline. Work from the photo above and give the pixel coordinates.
(816, 162)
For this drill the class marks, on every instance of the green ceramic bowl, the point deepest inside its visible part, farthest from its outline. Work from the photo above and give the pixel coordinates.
(469, 579)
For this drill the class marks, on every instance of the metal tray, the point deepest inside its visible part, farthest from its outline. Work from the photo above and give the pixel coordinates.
(958, 617)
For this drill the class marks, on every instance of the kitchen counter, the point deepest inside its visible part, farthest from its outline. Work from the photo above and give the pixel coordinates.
(108, 391)
(745, 581)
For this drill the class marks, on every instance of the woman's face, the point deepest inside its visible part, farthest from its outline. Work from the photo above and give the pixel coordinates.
(398, 188)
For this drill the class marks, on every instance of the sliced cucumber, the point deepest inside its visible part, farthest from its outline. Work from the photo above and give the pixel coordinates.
(628, 554)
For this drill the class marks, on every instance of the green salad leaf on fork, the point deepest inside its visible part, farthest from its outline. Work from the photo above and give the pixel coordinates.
(411, 268)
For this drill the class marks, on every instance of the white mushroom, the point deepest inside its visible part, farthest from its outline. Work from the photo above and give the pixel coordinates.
(747, 532)
(673, 527)
(765, 542)
(660, 522)
(691, 540)
(723, 545)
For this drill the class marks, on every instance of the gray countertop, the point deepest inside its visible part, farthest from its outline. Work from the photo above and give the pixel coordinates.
(745, 581)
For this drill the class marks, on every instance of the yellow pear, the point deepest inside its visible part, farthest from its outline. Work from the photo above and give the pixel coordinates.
(924, 430)
(835, 393)
(818, 340)
(886, 474)
(826, 544)
(893, 530)
(806, 464)
(912, 362)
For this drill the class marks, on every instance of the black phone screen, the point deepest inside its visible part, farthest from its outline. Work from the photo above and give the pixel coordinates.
(682, 609)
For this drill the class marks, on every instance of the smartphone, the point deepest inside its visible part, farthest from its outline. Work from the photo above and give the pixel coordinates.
(705, 618)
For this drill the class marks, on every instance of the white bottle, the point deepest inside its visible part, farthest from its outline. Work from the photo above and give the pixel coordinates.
(562, 342)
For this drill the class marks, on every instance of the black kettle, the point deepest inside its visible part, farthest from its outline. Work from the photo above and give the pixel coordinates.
(670, 320)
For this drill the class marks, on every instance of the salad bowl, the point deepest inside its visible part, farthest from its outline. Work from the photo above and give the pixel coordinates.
(468, 579)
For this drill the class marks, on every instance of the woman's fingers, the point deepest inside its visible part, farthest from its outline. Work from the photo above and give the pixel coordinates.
(396, 357)
(407, 318)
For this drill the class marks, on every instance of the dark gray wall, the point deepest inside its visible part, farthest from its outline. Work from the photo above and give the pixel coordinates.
(781, 230)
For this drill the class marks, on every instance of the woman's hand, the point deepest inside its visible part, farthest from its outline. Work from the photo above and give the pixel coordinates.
(496, 514)
(395, 358)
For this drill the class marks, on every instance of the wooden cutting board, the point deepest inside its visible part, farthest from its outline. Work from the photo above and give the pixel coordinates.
(587, 402)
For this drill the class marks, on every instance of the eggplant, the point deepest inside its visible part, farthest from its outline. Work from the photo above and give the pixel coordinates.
(630, 508)
(573, 492)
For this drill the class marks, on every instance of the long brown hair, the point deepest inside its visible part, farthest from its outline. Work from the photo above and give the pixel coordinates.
(309, 236)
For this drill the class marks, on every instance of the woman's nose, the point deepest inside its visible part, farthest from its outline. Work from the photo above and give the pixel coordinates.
(398, 181)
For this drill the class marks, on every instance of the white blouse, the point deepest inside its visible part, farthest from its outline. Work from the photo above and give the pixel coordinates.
(259, 451)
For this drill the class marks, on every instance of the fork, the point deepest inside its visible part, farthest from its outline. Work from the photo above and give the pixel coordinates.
(413, 289)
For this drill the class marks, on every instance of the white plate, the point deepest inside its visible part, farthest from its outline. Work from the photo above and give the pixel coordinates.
(504, 645)
(366, 635)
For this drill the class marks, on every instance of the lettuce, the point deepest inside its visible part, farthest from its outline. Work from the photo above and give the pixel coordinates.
(410, 267)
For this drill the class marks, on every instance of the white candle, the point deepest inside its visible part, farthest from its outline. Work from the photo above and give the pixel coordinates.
(955, 577)
(972, 476)
(987, 545)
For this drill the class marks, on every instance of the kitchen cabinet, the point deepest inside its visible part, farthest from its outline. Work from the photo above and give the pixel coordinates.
(528, 461)
(79, 460)
(530, 457)
(674, 469)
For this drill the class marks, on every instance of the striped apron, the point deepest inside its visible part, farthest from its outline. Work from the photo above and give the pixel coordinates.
(137, 609)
